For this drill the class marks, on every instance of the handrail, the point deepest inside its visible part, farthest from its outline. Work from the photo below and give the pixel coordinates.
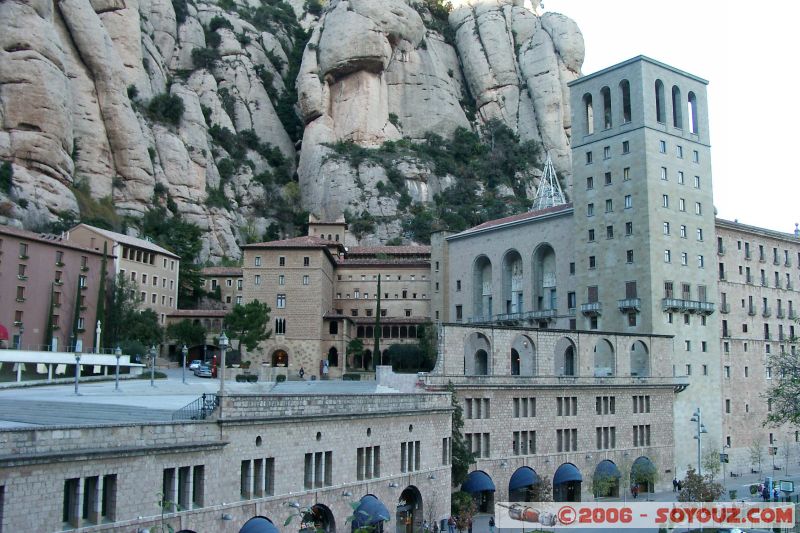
(198, 409)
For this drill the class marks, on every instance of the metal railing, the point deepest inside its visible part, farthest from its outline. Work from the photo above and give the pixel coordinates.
(592, 308)
(199, 409)
(725, 308)
(629, 304)
(676, 304)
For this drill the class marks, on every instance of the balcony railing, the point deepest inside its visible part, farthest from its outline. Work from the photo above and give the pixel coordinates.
(691, 306)
(458, 380)
(721, 249)
(792, 314)
(766, 312)
(592, 309)
(628, 305)
(780, 314)
(751, 310)
(763, 282)
(748, 254)
(749, 279)
(725, 308)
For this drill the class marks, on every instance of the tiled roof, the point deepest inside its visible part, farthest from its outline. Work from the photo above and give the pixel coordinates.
(387, 320)
(389, 250)
(394, 261)
(221, 271)
(296, 242)
(129, 240)
(517, 218)
(211, 313)
(48, 238)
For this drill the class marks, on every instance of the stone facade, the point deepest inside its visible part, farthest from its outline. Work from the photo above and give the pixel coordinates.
(216, 467)
(230, 283)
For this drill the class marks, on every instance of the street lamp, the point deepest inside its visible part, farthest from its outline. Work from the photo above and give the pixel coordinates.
(184, 351)
(696, 417)
(77, 371)
(774, 453)
(152, 365)
(21, 331)
(223, 346)
(118, 354)
(722, 455)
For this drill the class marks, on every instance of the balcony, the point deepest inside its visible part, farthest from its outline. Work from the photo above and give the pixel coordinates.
(764, 282)
(721, 249)
(792, 314)
(725, 308)
(787, 262)
(629, 305)
(766, 312)
(592, 309)
(778, 284)
(780, 314)
(748, 255)
(59, 264)
(690, 306)
(84, 268)
(749, 279)
(22, 278)
(776, 261)
(752, 310)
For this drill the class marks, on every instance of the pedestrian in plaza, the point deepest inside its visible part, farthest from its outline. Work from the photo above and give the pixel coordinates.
(451, 525)
(469, 525)
(425, 526)
(775, 494)
(436, 527)
(302, 372)
(765, 493)
(680, 485)
(674, 484)
(491, 524)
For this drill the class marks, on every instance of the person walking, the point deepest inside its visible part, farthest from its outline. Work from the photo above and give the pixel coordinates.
(302, 372)
(674, 484)
(765, 493)
(451, 525)
(491, 524)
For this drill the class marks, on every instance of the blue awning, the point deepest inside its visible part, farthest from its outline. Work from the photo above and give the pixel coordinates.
(607, 469)
(259, 524)
(523, 477)
(565, 473)
(370, 511)
(478, 481)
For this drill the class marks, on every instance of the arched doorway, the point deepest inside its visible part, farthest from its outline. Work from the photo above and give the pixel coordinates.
(523, 356)
(644, 474)
(481, 363)
(515, 362)
(512, 283)
(259, 524)
(482, 288)
(319, 519)
(333, 356)
(603, 359)
(640, 360)
(522, 483)
(544, 278)
(367, 360)
(409, 515)
(567, 483)
(370, 512)
(566, 358)
(280, 358)
(480, 485)
(605, 481)
(476, 355)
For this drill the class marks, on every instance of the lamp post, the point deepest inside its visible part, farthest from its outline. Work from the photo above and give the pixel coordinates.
(97, 332)
(21, 331)
(77, 371)
(725, 447)
(696, 417)
(774, 453)
(184, 351)
(118, 354)
(152, 365)
(223, 346)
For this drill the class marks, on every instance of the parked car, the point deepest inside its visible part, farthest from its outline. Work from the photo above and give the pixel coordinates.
(203, 371)
(195, 364)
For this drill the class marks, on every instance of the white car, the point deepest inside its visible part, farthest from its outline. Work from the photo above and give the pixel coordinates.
(195, 364)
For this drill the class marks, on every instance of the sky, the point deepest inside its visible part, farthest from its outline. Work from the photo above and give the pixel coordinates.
(748, 51)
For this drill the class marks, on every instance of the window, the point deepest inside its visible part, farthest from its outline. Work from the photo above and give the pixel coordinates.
(281, 261)
(681, 205)
(281, 279)
(629, 256)
(459, 314)
(23, 250)
(626, 147)
(697, 182)
(96, 505)
(257, 279)
(567, 440)
(641, 404)
(354, 312)
(626, 173)
(629, 228)
(184, 487)
(458, 285)
(523, 442)
(663, 173)
(628, 201)
(592, 262)
(447, 451)
(257, 478)
(680, 177)
(679, 151)
(588, 158)
(666, 228)
(665, 200)
(698, 208)
(608, 178)
(306, 261)
(478, 444)
(695, 156)
(684, 258)
(604, 405)
(590, 182)
(609, 205)
(368, 462)
(572, 268)
(683, 231)
(641, 435)
(701, 263)
(318, 470)
(591, 235)
(281, 303)
(305, 279)
(667, 256)
(606, 152)
(567, 406)
(662, 147)
(257, 261)
(606, 438)
(571, 300)
(699, 234)
(590, 210)
(609, 232)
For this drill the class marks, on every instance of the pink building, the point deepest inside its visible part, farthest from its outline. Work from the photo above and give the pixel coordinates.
(48, 291)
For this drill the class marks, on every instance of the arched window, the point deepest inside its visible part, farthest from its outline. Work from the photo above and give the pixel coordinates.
(482, 288)
(544, 279)
(512, 282)
(677, 113)
(603, 359)
(606, 94)
(476, 355)
(660, 113)
(625, 96)
(588, 113)
(692, 113)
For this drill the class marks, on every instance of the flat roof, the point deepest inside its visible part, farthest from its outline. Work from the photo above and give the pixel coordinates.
(514, 220)
(635, 60)
(738, 226)
(48, 238)
(126, 239)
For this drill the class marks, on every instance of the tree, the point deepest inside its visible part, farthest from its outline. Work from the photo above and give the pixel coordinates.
(143, 327)
(644, 473)
(541, 491)
(187, 332)
(697, 488)
(756, 452)
(463, 508)
(785, 392)
(377, 334)
(711, 463)
(603, 484)
(461, 455)
(355, 350)
(101, 294)
(124, 322)
(248, 324)
(427, 335)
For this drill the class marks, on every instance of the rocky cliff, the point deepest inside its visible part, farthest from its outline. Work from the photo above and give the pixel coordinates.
(242, 115)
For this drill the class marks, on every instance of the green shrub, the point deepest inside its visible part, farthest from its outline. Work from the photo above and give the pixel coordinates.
(226, 169)
(314, 7)
(219, 22)
(204, 57)
(280, 378)
(251, 378)
(228, 102)
(146, 374)
(241, 378)
(133, 92)
(6, 177)
(217, 198)
(166, 108)
(181, 8)
(351, 377)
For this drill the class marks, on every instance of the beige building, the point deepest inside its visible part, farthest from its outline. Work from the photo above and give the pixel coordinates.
(48, 291)
(257, 455)
(758, 295)
(152, 268)
(228, 281)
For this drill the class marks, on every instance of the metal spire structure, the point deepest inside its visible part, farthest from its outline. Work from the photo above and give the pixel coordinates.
(549, 193)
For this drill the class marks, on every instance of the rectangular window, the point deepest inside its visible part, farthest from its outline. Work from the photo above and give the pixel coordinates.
(318, 470)
(698, 208)
(701, 263)
(459, 312)
(368, 465)
(447, 451)
(684, 258)
(305, 279)
(590, 210)
(695, 156)
(591, 235)
(609, 232)
(608, 178)
(458, 285)
(257, 279)
(683, 231)
(281, 279)
(628, 201)
(664, 173)
(592, 262)
(679, 151)
(667, 256)
(662, 147)
(281, 301)
(629, 228)
(257, 261)
(590, 182)
(609, 205)
(281, 261)
(280, 326)
(699, 234)
(606, 152)
(588, 158)
(306, 261)
(665, 200)
(697, 182)
(681, 205)
(680, 177)
(629, 256)
(626, 147)
(626, 173)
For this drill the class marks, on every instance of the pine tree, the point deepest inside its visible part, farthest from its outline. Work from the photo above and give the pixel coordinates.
(461, 455)
(377, 351)
(101, 297)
